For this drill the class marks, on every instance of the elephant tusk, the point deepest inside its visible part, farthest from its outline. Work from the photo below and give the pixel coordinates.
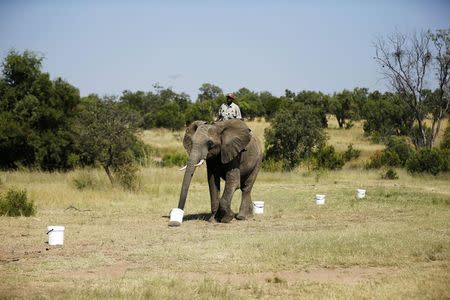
(183, 168)
(200, 163)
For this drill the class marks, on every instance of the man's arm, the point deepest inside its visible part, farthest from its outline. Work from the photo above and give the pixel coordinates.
(238, 113)
(220, 117)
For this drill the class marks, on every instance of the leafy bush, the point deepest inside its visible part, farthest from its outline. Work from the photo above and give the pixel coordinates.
(351, 153)
(15, 203)
(328, 158)
(174, 159)
(390, 158)
(397, 152)
(390, 174)
(400, 146)
(431, 161)
(294, 135)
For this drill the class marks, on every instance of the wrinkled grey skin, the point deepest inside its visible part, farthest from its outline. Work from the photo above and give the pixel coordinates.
(231, 153)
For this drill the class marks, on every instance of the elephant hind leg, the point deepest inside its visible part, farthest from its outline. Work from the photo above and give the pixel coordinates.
(246, 209)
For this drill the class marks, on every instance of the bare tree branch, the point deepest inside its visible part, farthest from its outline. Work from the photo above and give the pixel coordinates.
(406, 62)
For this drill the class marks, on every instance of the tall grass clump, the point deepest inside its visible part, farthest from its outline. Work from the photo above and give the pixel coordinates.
(83, 181)
(271, 165)
(390, 174)
(15, 203)
(128, 177)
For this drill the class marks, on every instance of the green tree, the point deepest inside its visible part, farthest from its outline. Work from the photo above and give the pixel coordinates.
(385, 115)
(271, 104)
(35, 115)
(170, 116)
(294, 134)
(107, 134)
(360, 96)
(199, 111)
(341, 105)
(249, 103)
(318, 101)
(209, 91)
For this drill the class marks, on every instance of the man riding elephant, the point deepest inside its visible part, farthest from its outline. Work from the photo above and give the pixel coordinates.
(229, 110)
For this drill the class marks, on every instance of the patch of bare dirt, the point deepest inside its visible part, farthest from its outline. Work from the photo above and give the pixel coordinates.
(13, 256)
(114, 271)
(352, 275)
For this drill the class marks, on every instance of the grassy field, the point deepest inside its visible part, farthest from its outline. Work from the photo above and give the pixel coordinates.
(393, 244)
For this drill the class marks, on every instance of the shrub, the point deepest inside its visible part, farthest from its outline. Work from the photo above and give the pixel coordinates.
(272, 165)
(390, 174)
(15, 203)
(397, 152)
(328, 158)
(83, 181)
(294, 134)
(351, 153)
(390, 158)
(431, 161)
(174, 159)
(400, 146)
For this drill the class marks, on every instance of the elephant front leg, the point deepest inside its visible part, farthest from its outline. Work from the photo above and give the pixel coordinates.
(214, 190)
(232, 183)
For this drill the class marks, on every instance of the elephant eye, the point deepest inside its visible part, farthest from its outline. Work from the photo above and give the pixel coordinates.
(210, 144)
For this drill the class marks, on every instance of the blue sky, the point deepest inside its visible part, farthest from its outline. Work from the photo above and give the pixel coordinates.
(106, 47)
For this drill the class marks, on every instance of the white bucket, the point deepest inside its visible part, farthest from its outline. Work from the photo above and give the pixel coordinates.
(320, 199)
(258, 207)
(360, 193)
(176, 217)
(55, 235)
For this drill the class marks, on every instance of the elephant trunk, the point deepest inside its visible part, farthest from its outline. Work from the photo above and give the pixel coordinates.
(189, 172)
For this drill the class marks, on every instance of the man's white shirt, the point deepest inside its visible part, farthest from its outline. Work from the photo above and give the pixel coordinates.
(231, 111)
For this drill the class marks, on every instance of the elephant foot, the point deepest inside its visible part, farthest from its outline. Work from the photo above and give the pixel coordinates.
(242, 217)
(212, 219)
(227, 218)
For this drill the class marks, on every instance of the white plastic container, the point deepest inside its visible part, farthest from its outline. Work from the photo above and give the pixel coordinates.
(258, 207)
(176, 217)
(55, 235)
(360, 193)
(320, 199)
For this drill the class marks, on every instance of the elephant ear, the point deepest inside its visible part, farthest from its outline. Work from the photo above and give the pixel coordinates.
(235, 136)
(190, 130)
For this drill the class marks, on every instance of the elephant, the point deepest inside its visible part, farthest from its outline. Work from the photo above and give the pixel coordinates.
(232, 153)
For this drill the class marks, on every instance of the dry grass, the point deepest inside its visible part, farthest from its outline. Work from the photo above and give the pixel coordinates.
(392, 244)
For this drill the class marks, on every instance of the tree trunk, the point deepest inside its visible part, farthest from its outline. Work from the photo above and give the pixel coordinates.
(108, 172)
